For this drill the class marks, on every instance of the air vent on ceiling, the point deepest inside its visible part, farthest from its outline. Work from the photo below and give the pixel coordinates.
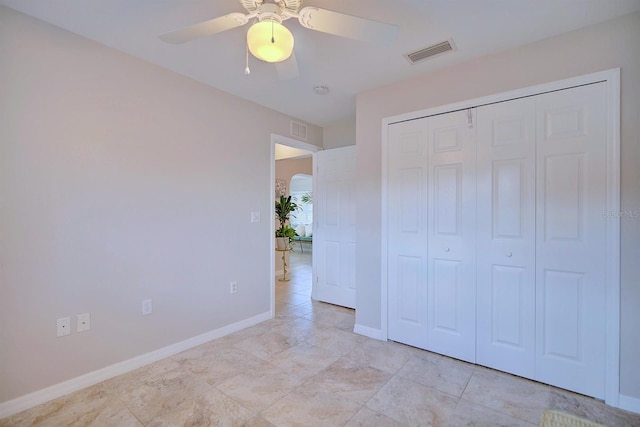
(299, 130)
(430, 51)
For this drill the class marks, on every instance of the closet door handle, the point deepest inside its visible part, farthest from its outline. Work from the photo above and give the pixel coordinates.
(447, 249)
(509, 254)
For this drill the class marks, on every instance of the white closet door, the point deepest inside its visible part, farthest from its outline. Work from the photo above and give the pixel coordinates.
(407, 232)
(506, 237)
(571, 238)
(431, 199)
(451, 267)
(334, 239)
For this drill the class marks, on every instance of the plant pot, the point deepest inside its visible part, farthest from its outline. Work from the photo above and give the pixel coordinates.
(282, 243)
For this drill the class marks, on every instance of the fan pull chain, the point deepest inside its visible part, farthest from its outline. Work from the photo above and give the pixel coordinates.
(247, 70)
(272, 39)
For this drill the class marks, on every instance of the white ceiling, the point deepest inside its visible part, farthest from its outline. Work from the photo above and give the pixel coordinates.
(347, 67)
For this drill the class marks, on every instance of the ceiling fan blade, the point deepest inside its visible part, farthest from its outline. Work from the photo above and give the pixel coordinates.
(206, 28)
(344, 25)
(288, 69)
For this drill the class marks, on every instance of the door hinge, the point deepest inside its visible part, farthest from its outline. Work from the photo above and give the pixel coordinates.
(470, 117)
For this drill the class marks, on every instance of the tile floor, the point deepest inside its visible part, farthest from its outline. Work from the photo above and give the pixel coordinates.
(306, 367)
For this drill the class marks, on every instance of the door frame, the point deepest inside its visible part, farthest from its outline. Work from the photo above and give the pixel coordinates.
(611, 78)
(294, 143)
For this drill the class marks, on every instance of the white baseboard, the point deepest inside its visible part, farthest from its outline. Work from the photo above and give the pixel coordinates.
(629, 403)
(369, 332)
(30, 400)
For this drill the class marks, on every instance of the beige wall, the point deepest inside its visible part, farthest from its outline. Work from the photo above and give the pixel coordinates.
(287, 168)
(340, 134)
(608, 45)
(121, 181)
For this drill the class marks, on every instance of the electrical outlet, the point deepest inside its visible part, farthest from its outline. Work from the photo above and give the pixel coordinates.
(83, 322)
(233, 288)
(63, 326)
(147, 307)
(255, 216)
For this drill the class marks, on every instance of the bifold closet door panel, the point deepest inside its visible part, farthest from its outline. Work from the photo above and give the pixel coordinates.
(506, 237)
(407, 233)
(451, 269)
(571, 238)
(431, 232)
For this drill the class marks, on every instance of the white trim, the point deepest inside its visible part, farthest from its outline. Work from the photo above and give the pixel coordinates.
(376, 334)
(290, 142)
(612, 79)
(612, 263)
(384, 232)
(30, 400)
(629, 403)
(314, 253)
(272, 229)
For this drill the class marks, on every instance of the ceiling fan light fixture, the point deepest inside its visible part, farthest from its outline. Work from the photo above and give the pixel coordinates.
(270, 41)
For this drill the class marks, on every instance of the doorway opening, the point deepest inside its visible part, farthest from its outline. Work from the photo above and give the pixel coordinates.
(301, 192)
(292, 171)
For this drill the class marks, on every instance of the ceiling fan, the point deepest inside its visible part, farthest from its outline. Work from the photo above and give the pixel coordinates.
(270, 41)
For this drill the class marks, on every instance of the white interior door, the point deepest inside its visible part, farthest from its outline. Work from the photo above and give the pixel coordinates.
(571, 238)
(334, 238)
(506, 237)
(451, 258)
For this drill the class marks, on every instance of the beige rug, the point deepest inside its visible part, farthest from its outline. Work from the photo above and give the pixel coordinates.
(562, 419)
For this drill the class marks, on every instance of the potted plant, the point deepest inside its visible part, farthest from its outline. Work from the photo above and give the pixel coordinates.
(307, 198)
(284, 237)
(284, 210)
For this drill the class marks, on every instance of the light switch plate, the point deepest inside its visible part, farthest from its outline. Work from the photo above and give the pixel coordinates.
(147, 307)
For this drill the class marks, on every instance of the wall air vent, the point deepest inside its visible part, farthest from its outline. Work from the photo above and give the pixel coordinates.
(430, 51)
(299, 130)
